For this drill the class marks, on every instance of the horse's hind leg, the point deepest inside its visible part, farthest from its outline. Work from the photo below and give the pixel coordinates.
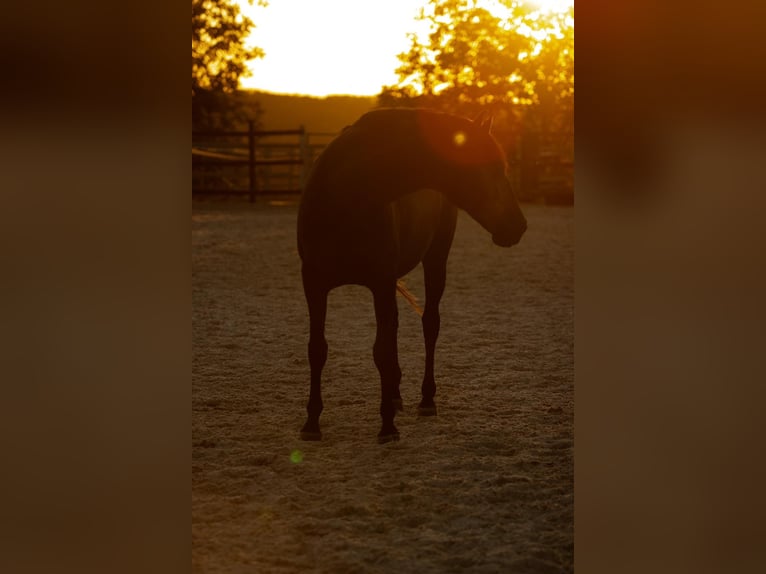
(316, 297)
(435, 274)
(386, 357)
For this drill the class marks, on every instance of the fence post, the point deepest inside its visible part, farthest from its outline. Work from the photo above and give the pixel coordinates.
(305, 152)
(251, 162)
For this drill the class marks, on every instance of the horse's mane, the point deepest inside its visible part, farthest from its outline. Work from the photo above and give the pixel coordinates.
(454, 138)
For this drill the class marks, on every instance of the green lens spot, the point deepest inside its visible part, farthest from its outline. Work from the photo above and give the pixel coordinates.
(296, 456)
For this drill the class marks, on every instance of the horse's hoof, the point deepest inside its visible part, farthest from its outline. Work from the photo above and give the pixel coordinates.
(398, 404)
(390, 437)
(427, 411)
(311, 435)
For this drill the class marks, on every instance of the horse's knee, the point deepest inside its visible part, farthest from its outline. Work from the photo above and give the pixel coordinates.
(431, 321)
(431, 317)
(382, 350)
(317, 352)
(386, 360)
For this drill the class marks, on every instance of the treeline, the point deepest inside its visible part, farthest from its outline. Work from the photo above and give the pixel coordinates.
(327, 115)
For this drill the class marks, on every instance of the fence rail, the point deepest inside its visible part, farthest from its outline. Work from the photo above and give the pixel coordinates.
(219, 159)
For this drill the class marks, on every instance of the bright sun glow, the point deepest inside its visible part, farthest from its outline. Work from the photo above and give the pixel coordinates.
(549, 6)
(338, 46)
(329, 47)
(553, 5)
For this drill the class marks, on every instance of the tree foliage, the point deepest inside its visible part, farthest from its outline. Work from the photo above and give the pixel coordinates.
(510, 59)
(219, 50)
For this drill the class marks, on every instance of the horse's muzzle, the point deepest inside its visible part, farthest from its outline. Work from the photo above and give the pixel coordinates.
(509, 237)
(504, 241)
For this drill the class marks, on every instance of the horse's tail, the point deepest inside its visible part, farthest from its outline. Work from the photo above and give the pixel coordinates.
(409, 297)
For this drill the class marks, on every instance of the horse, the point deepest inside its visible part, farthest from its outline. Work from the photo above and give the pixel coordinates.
(380, 199)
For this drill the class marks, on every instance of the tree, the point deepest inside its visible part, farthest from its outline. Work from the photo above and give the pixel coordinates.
(219, 59)
(513, 61)
(219, 53)
(552, 74)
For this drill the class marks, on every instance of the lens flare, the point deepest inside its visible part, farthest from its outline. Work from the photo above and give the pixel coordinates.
(296, 457)
(459, 138)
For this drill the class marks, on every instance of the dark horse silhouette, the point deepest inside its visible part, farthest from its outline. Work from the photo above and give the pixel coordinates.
(382, 197)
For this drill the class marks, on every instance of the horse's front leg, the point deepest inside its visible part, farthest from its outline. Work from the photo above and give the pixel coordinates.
(316, 297)
(435, 274)
(386, 357)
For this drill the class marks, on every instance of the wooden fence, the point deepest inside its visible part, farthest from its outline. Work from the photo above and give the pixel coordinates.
(253, 162)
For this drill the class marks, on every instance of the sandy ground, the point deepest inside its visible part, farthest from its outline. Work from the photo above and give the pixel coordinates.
(486, 486)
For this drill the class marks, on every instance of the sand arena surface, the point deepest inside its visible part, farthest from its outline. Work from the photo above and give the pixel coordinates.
(486, 486)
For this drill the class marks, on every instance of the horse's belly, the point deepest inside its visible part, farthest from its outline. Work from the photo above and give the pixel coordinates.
(416, 217)
(363, 245)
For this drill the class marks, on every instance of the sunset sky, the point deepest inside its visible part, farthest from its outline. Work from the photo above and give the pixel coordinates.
(333, 46)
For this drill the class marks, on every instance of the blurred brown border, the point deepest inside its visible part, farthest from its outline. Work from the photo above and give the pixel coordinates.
(94, 242)
(670, 286)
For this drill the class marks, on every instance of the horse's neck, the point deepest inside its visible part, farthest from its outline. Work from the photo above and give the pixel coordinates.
(383, 168)
(390, 173)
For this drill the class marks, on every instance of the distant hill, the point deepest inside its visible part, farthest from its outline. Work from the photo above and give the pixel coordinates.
(330, 114)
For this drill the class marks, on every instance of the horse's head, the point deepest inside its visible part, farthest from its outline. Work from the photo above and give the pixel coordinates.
(496, 207)
(476, 175)
(505, 221)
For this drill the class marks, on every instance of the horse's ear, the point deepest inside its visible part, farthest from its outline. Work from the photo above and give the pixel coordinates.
(484, 120)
